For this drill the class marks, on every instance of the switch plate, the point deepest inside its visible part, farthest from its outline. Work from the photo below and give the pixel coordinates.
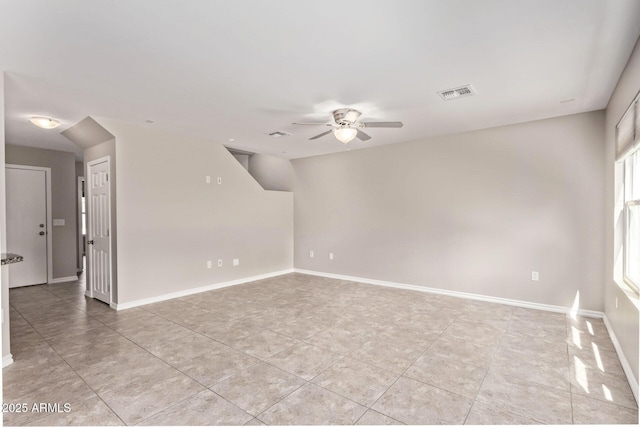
(219, 180)
(219, 263)
(236, 262)
(331, 255)
(207, 179)
(58, 222)
(310, 254)
(535, 276)
(209, 264)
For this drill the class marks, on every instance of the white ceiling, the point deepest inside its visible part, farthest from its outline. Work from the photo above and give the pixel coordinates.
(241, 69)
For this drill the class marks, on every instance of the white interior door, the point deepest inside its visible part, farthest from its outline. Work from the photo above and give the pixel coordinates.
(26, 191)
(98, 241)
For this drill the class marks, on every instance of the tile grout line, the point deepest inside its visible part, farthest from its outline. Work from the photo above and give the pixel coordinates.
(475, 399)
(534, 383)
(173, 367)
(69, 301)
(72, 369)
(405, 371)
(226, 345)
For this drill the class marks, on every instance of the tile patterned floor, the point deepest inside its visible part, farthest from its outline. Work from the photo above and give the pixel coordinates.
(306, 350)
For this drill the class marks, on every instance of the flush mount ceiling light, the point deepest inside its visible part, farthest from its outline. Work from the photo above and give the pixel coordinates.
(345, 134)
(44, 122)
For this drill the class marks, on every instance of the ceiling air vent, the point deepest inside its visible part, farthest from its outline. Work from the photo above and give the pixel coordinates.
(278, 134)
(459, 92)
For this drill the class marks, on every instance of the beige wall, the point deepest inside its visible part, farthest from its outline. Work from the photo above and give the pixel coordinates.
(4, 276)
(170, 222)
(624, 319)
(475, 212)
(273, 173)
(63, 195)
(98, 151)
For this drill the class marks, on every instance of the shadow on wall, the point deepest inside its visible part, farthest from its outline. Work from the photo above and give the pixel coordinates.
(271, 172)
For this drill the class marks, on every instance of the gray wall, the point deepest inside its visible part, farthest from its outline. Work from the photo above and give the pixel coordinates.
(4, 275)
(624, 319)
(170, 222)
(243, 159)
(63, 200)
(475, 212)
(104, 149)
(273, 173)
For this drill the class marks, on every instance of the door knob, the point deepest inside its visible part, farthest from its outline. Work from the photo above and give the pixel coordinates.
(41, 233)
(41, 225)
(89, 242)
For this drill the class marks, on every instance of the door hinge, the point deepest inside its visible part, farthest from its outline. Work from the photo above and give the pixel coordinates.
(107, 177)
(107, 232)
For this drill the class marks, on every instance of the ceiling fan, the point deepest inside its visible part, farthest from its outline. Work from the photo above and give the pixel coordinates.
(347, 126)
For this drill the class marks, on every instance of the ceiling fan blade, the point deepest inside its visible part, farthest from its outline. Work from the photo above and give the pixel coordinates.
(313, 124)
(362, 136)
(320, 135)
(383, 124)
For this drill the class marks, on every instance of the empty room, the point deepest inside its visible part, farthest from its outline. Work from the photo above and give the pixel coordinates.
(281, 212)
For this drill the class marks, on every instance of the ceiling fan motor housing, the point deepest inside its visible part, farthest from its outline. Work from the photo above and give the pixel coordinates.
(346, 116)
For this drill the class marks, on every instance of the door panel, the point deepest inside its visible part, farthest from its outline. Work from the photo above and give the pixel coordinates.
(98, 244)
(27, 225)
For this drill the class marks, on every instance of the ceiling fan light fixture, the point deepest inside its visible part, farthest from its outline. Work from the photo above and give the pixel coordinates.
(44, 122)
(345, 134)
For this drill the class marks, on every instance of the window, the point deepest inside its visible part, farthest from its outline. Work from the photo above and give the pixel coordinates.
(632, 219)
(628, 153)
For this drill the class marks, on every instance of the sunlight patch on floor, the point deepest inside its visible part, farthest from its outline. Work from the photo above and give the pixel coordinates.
(575, 336)
(596, 353)
(581, 374)
(607, 393)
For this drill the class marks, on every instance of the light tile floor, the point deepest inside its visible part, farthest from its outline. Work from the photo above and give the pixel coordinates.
(300, 349)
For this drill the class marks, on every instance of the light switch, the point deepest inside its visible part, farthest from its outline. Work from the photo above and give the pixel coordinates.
(58, 222)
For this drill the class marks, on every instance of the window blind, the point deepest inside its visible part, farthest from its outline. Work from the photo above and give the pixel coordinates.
(628, 130)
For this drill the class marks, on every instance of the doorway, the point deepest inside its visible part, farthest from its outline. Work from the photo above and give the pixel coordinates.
(28, 195)
(82, 224)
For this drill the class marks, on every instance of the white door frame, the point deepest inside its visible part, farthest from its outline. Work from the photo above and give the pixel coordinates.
(80, 242)
(47, 174)
(87, 196)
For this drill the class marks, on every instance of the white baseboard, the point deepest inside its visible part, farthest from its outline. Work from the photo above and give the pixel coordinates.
(477, 297)
(184, 293)
(63, 279)
(626, 367)
(7, 360)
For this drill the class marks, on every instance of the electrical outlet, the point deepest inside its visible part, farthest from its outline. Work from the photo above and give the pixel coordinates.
(207, 179)
(209, 265)
(535, 276)
(219, 180)
(310, 254)
(219, 263)
(331, 255)
(236, 262)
